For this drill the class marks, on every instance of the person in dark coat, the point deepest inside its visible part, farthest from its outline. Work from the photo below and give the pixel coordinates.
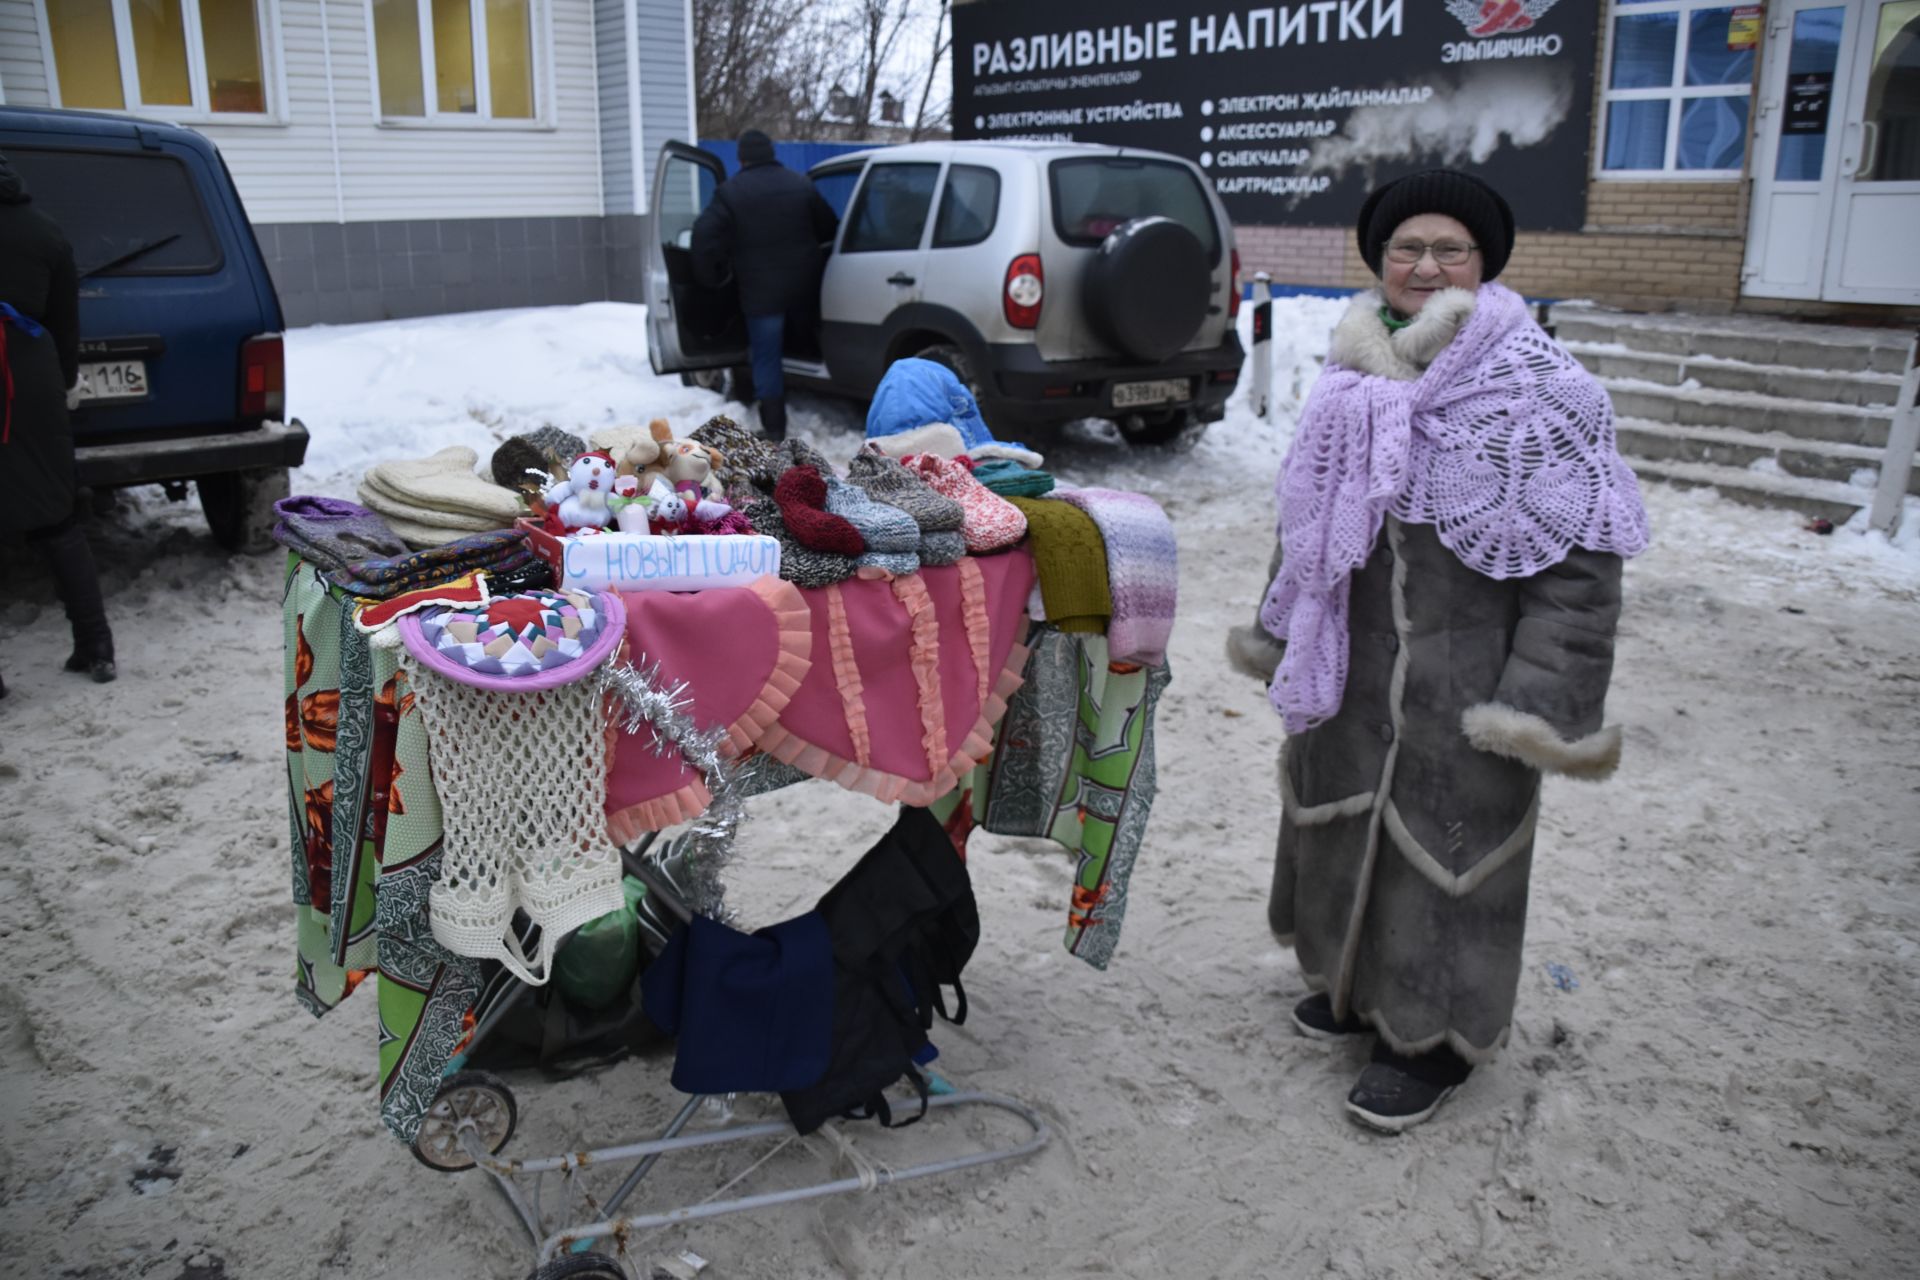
(766, 226)
(40, 349)
(1438, 635)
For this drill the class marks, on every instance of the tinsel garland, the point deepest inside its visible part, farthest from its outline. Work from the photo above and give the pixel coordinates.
(644, 703)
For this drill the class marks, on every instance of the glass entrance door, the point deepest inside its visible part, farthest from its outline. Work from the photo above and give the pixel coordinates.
(1836, 189)
(1872, 256)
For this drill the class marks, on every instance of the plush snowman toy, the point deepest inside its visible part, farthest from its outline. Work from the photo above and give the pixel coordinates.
(581, 499)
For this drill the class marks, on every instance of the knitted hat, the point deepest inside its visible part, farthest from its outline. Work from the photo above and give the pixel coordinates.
(884, 478)
(754, 147)
(1477, 206)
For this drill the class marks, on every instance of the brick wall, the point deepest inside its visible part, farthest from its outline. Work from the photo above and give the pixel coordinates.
(1650, 246)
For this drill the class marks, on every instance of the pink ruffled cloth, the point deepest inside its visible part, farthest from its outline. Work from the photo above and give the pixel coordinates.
(889, 688)
(1505, 445)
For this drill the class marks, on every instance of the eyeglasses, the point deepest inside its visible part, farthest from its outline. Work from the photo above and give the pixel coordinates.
(1448, 253)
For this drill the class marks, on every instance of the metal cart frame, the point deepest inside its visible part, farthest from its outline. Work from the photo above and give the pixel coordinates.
(474, 1115)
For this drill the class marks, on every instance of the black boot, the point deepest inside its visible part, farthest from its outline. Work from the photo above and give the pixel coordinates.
(773, 418)
(78, 582)
(1313, 1018)
(1397, 1091)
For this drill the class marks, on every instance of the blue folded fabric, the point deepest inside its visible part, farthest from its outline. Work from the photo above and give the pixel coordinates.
(753, 1012)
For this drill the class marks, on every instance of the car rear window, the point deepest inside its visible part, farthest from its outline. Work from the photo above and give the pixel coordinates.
(969, 206)
(124, 214)
(1092, 196)
(891, 209)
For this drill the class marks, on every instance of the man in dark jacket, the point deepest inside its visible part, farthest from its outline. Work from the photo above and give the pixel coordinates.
(40, 350)
(766, 225)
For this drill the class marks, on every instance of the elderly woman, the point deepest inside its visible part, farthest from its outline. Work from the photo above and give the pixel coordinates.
(1438, 634)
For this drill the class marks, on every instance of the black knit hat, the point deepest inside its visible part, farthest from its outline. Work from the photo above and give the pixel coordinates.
(1478, 207)
(754, 147)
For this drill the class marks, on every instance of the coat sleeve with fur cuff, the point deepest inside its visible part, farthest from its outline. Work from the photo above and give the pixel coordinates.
(1527, 738)
(1549, 708)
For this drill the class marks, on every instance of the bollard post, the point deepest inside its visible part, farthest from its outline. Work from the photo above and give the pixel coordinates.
(1902, 437)
(1262, 392)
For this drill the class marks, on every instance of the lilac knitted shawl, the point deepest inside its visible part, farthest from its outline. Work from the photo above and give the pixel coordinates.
(1505, 445)
(1143, 569)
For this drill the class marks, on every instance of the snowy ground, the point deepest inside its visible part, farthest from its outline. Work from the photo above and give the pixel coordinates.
(1723, 1094)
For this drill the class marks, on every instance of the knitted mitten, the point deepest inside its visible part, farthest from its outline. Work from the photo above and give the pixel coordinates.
(884, 478)
(799, 564)
(802, 495)
(992, 523)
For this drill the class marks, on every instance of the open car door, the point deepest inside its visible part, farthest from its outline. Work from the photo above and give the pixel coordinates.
(689, 325)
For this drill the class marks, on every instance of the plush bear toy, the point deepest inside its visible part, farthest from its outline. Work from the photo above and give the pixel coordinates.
(580, 501)
(685, 469)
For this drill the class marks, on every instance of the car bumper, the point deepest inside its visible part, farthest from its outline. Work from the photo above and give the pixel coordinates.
(141, 461)
(1029, 390)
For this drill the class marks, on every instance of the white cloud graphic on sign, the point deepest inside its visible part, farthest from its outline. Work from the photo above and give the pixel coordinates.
(1489, 109)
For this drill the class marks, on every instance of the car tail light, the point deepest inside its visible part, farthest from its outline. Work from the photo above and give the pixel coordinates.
(1026, 287)
(1233, 285)
(263, 377)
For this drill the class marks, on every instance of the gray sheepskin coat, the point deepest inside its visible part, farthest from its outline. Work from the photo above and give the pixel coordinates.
(1407, 821)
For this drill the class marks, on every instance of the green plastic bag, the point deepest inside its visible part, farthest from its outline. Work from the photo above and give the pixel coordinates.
(596, 965)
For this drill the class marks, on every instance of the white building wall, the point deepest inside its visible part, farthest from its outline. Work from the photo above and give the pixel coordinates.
(286, 171)
(666, 97)
(22, 68)
(617, 95)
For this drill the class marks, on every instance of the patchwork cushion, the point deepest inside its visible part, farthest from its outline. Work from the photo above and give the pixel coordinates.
(528, 640)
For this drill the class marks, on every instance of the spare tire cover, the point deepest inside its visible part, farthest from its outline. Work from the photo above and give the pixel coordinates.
(1148, 288)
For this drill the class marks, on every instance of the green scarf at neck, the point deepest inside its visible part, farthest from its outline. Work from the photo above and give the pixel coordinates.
(1393, 323)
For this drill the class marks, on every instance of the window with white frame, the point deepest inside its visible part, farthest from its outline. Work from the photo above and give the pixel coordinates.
(182, 56)
(1679, 77)
(454, 60)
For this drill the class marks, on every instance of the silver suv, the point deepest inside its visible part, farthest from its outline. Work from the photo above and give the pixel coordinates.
(1060, 281)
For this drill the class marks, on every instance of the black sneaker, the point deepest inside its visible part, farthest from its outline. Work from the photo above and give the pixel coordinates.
(100, 668)
(1397, 1091)
(1313, 1018)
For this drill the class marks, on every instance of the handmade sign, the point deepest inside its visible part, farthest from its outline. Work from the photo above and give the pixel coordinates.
(655, 562)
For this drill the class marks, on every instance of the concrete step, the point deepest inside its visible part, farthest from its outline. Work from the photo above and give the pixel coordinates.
(1806, 459)
(1750, 411)
(1860, 388)
(1835, 502)
(1764, 340)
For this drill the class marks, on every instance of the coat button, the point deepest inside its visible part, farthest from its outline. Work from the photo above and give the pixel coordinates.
(1386, 733)
(1392, 642)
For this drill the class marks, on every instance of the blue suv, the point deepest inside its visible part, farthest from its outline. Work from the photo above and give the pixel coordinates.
(182, 372)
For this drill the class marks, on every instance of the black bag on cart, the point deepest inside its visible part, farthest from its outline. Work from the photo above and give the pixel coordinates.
(903, 924)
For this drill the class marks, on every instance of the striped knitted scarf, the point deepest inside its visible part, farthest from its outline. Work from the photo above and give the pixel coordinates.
(1143, 570)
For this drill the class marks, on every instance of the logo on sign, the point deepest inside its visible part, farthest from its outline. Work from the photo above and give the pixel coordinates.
(1497, 17)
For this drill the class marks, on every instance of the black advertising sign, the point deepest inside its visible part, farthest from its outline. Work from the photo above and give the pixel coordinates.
(1808, 93)
(1297, 111)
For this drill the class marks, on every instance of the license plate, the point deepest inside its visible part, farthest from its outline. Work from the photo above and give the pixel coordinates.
(1132, 395)
(118, 380)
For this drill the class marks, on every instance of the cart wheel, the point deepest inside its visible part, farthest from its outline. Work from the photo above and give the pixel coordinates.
(580, 1266)
(479, 1096)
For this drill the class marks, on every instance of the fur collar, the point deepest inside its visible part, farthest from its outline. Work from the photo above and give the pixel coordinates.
(1362, 343)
